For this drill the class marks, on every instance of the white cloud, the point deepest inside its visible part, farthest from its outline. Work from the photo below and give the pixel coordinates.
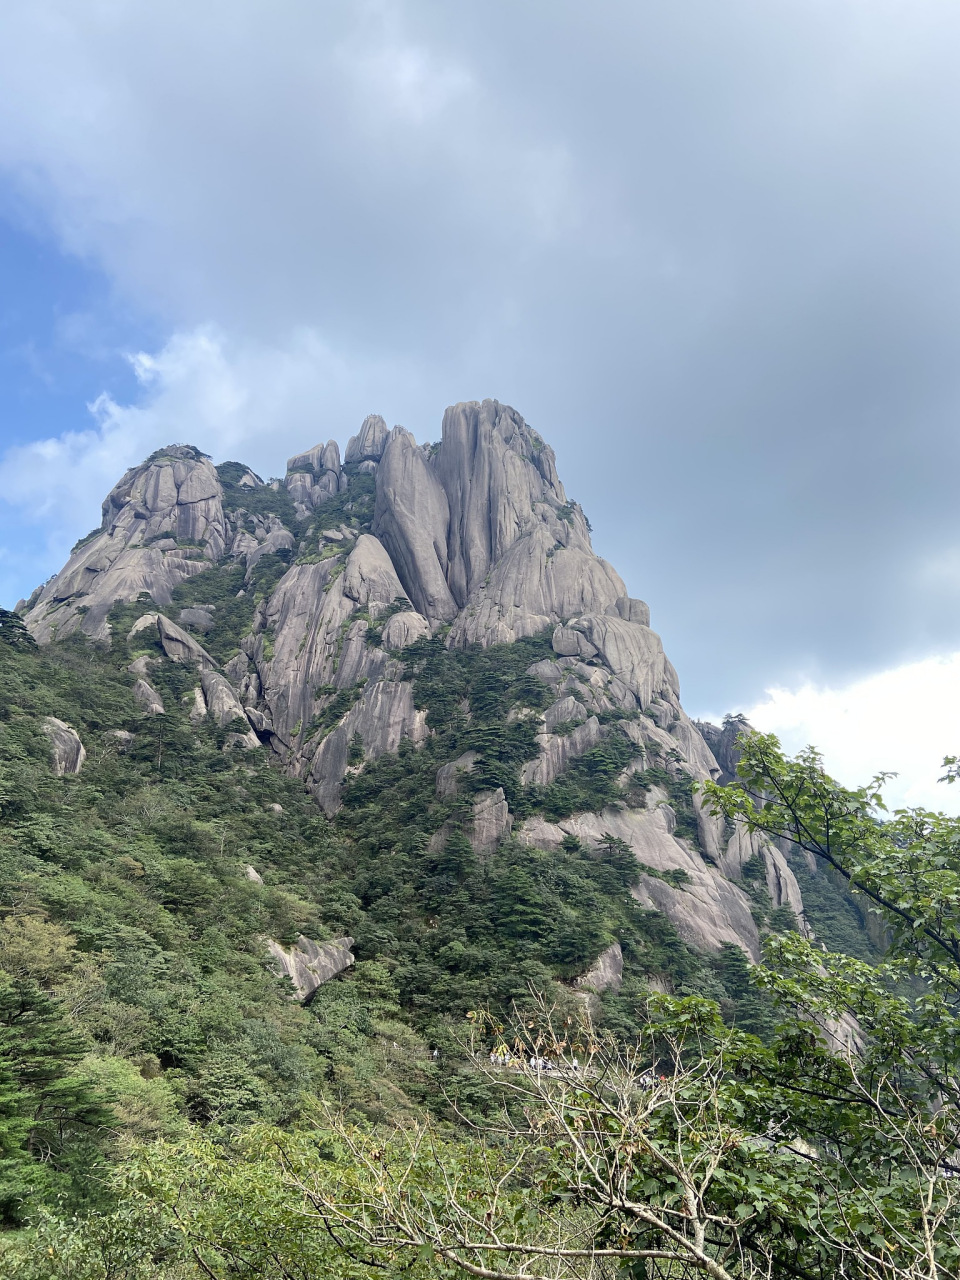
(254, 403)
(905, 719)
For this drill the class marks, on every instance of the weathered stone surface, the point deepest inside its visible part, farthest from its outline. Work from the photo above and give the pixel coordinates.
(276, 540)
(175, 642)
(782, 886)
(494, 470)
(259, 722)
(150, 701)
(707, 912)
(633, 610)
(314, 476)
(120, 739)
(368, 445)
(198, 705)
(199, 619)
(631, 651)
(403, 629)
(723, 744)
(383, 717)
(252, 874)
(535, 585)
(223, 705)
(309, 964)
(448, 774)
(175, 499)
(66, 749)
(565, 711)
(314, 643)
(491, 821)
(606, 972)
(412, 520)
(557, 752)
(369, 578)
(141, 666)
(179, 646)
(573, 644)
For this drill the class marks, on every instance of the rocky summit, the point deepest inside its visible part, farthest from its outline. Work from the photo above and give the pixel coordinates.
(315, 612)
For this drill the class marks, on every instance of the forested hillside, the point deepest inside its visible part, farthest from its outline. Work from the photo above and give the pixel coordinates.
(327, 806)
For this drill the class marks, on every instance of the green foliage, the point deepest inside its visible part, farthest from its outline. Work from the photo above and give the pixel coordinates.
(13, 632)
(264, 500)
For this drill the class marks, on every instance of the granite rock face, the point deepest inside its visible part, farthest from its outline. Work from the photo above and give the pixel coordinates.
(66, 750)
(308, 964)
(163, 523)
(606, 973)
(471, 541)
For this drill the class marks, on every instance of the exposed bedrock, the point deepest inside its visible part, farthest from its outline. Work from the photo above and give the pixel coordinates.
(412, 520)
(161, 524)
(66, 750)
(707, 911)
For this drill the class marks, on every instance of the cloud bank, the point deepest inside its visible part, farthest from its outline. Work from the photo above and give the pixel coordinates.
(709, 251)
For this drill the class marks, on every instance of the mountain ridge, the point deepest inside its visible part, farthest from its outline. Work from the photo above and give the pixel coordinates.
(348, 575)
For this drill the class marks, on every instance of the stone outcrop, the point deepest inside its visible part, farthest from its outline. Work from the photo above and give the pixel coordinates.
(412, 520)
(176, 643)
(163, 523)
(383, 717)
(557, 752)
(368, 445)
(606, 972)
(150, 701)
(707, 910)
(66, 750)
(403, 629)
(309, 964)
(314, 476)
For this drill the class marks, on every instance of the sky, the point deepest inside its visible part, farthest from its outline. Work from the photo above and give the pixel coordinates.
(710, 251)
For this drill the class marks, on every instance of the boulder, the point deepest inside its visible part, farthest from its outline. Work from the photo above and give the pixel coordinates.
(309, 964)
(633, 610)
(66, 749)
(223, 705)
(565, 711)
(119, 739)
(150, 701)
(403, 629)
(199, 619)
(176, 643)
(573, 644)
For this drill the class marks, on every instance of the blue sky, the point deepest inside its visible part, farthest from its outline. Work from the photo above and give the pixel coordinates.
(710, 252)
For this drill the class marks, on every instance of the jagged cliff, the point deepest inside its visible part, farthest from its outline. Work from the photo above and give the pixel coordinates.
(469, 542)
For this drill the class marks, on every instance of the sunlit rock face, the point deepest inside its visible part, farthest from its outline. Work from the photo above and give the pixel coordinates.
(472, 540)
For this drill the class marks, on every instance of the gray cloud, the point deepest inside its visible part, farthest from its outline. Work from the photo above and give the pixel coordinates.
(709, 250)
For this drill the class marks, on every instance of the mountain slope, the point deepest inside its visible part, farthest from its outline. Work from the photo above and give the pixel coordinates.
(321, 603)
